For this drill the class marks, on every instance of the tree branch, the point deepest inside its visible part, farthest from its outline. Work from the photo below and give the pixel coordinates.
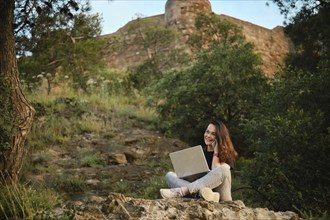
(23, 23)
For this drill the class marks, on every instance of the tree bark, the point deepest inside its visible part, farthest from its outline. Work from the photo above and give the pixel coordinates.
(12, 155)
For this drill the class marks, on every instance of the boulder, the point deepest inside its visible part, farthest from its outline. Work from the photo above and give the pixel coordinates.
(117, 206)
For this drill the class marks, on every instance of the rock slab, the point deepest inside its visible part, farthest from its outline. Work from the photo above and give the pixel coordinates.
(117, 206)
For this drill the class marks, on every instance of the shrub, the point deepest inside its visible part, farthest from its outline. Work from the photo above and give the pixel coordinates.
(291, 139)
(224, 83)
(110, 82)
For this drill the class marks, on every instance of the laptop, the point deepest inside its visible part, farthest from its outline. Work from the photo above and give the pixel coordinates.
(190, 163)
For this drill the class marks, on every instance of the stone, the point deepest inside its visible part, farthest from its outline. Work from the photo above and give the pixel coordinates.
(92, 182)
(97, 199)
(117, 206)
(117, 158)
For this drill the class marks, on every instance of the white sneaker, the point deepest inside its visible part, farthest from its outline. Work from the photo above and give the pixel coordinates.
(208, 195)
(171, 193)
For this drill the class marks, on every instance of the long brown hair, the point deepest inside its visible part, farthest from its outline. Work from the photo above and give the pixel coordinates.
(227, 152)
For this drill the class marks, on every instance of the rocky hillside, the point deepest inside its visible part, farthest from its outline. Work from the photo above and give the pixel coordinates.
(109, 174)
(271, 44)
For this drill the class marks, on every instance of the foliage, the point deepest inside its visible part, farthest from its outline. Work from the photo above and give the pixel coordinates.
(212, 31)
(157, 180)
(224, 82)
(309, 30)
(26, 13)
(56, 121)
(311, 38)
(123, 186)
(110, 82)
(290, 134)
(154, 39)
(72, 55)
(92, 160)
(292, 140)
(150, 70)
(144, 117)
(300, 8)
(62, 116)
(310, 216)
(147, 188)
(151, 190)
(241, 189)
(150, 35)
(23, 118)
(67, 183)
(23, 202)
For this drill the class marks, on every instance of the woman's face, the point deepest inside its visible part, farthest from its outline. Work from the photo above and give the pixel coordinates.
(209, 135)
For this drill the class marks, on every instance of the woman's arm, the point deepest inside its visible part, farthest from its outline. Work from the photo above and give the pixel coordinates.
(216, 160)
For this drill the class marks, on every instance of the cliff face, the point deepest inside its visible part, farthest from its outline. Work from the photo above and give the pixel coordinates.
(271, 44)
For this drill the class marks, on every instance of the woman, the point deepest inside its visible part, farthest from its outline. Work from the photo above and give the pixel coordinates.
(220, 155)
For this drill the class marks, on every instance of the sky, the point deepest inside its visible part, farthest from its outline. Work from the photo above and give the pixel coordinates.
(117, 13)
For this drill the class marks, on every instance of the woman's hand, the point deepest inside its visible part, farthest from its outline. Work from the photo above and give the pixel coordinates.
(216, 161)
(215, 146)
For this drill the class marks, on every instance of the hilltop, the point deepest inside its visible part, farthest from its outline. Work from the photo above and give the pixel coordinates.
(271, 44)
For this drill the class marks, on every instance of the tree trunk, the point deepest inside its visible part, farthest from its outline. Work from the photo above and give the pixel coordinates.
(11, 155)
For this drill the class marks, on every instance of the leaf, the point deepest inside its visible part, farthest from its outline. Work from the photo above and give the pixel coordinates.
(48, 4)
(70, 15)
(73, 4)
(39, 10)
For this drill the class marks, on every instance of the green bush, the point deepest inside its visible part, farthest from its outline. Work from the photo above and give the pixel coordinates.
(110, 82)
(224, 83)
(291, 139)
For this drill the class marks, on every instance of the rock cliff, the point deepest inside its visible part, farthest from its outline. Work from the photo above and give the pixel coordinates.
(117, 206)
(271, 44)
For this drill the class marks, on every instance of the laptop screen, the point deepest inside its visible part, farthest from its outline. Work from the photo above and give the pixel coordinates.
(189, 162)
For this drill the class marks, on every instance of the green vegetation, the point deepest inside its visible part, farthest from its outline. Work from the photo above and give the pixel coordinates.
(67, 183)
(157, 181)
(145, 188)
(279, 125)
(154, 39)
(74, 39)
(59, 118)
(91, 160)
(18, 201)
(291, 140)
(224, 82)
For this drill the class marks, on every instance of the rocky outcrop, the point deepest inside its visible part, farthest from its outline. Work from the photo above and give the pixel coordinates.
(271, 44)
(117, 206)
